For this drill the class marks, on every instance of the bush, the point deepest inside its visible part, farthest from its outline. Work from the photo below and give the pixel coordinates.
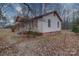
(75, 28)
(33, 34)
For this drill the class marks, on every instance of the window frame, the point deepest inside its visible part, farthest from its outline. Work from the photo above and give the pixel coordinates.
(49, 23)
(58, 24)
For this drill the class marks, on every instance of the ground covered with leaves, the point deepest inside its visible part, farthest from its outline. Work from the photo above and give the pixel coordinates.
(64, 43)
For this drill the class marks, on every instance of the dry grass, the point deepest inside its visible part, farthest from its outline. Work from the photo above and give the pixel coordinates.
(63, 43)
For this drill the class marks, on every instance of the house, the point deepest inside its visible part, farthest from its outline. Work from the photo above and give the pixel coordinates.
(45, 24)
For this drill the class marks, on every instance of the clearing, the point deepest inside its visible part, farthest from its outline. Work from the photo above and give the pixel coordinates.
(64, 43)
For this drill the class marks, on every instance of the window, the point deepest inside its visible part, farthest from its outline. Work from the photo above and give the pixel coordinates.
(49, 23)
(58, 24)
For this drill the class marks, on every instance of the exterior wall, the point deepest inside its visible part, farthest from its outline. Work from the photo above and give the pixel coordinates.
(43, 25)
(34, 27)
(25, 27)
(40, 26)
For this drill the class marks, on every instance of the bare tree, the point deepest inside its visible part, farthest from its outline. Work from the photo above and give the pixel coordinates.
(1, 12)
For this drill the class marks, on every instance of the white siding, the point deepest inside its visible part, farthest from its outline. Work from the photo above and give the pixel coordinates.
(40, 25)
(43, 25)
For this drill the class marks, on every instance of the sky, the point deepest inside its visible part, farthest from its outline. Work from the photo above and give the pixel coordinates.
(11, 11)
(15, 9)
(38, 7)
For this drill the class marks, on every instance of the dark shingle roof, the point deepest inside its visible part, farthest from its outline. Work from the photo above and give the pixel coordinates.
(54, 12)
(26, 19)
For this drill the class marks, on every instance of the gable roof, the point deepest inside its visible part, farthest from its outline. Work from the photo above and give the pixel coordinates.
(23, 19)
(54, 12)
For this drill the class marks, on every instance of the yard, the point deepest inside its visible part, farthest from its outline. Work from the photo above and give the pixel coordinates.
(64, 43)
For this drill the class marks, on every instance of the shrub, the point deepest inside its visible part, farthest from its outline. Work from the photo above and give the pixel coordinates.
(75, 27)
(33, 34)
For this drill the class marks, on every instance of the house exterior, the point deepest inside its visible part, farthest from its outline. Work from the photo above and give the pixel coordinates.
(46, 23)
